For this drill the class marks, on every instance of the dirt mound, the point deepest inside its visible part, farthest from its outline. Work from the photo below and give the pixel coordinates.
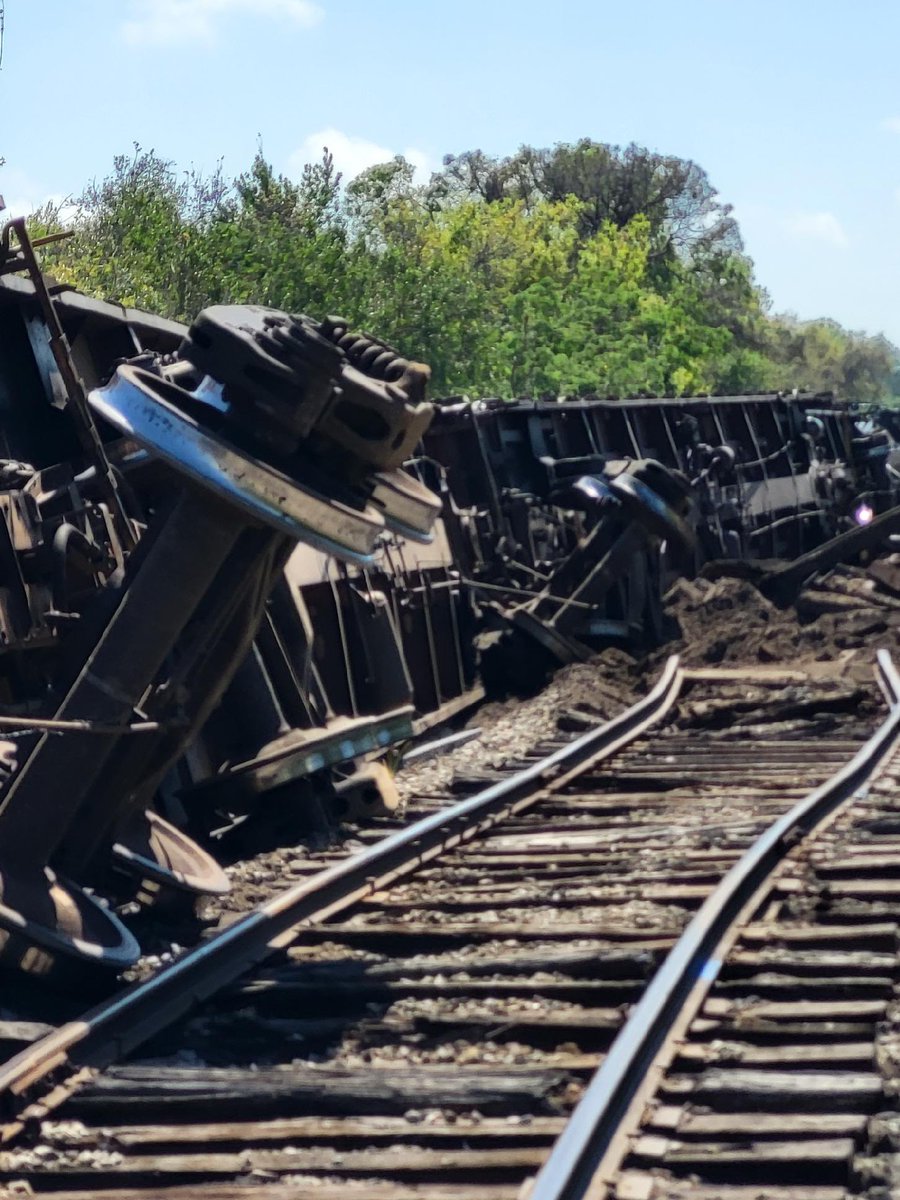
(729, 621)
(842, 616)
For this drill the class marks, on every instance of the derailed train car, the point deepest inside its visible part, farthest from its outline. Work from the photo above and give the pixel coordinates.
(593, 505)
(156, 481)
(561, 525)
(220, 594)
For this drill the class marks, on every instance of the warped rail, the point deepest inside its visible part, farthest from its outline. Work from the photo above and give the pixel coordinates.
(113, 1029)
(596, 1140)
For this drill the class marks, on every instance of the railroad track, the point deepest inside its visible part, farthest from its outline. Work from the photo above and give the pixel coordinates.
(423, 1019)
(763, 1059)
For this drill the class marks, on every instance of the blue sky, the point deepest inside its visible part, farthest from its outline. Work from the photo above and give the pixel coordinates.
(792, 107)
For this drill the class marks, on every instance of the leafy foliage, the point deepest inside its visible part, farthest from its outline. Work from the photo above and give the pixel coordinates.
(611, 185)
(577, 269)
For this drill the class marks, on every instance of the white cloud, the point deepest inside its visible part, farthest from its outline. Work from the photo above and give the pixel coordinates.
(354, 154)
(22, 194)
(891, 124)
(157, 22)
(818, 227)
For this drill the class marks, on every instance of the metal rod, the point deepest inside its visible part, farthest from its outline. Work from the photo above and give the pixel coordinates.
(518, 591)
(54, 726)
(59, 345)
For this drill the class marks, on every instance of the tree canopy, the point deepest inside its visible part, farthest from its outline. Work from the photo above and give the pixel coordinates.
(583, 268)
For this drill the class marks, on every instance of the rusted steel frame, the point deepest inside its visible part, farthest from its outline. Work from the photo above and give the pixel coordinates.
(18, 262)
(591, 1147)
(114, 1028)
(189, 549)
(150, 331)
(84, 419)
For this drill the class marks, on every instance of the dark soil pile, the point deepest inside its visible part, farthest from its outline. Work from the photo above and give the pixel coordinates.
(842, 616)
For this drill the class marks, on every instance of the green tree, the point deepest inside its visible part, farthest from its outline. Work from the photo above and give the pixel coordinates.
(566, 271)
(141, 235)
(612, 184)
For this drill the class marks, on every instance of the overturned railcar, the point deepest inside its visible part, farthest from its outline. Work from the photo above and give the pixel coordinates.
(220, 594)
(543, 545)
(155, 484)
(528, 483)
(772, 474)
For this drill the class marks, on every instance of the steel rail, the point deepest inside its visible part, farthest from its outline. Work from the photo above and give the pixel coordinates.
(109, 1031)
(576, 1168)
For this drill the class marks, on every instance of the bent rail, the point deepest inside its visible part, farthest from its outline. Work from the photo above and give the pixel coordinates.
(596, 1126)
(114, 1028)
